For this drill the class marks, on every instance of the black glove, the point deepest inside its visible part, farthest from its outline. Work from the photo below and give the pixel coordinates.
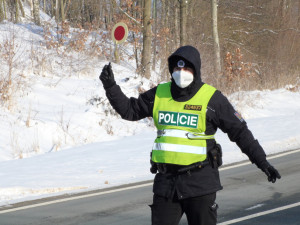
(107, 77)
(270, 171)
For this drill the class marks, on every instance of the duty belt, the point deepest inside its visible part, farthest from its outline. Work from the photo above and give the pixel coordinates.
(183, 134)
(175, 169)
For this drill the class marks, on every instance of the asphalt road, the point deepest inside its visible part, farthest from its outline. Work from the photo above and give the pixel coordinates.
(246, 193)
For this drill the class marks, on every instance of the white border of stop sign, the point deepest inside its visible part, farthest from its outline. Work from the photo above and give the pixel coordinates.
(119, 27)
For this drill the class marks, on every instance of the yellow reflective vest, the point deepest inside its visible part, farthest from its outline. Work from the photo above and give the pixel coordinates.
(181, 126)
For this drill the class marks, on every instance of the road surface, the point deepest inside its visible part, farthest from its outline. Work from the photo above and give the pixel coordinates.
(247, 198)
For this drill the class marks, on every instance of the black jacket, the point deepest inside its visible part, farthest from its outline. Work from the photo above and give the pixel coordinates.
(220, 114)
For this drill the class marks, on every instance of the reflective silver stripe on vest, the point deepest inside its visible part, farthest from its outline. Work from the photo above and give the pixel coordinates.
(180, 148)
(183, 134)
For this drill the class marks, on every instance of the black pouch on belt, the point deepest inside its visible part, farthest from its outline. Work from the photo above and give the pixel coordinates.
(153, 168)
(215, 156)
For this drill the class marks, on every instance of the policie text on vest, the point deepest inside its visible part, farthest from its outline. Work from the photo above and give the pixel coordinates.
(177, 119)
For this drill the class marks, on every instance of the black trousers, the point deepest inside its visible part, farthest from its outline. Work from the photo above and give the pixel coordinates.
(200, 210)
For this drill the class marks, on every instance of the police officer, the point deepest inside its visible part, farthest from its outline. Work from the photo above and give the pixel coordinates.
(187, 114)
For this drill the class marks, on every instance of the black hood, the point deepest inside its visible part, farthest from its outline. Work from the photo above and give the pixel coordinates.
(192, 55)
(188, 53)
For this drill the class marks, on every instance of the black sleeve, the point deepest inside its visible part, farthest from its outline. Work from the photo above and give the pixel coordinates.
(132, 109)
(222, 114)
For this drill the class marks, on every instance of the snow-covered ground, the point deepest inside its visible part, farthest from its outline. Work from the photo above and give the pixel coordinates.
(58, 133)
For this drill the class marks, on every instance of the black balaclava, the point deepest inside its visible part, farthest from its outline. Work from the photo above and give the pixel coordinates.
(192, 56)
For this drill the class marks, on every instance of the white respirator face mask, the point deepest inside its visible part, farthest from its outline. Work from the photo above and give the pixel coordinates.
(182, 78)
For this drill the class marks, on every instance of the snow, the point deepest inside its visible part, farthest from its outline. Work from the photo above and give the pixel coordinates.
(58, 133)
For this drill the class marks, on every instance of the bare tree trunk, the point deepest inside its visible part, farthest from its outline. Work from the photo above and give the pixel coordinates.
(31, 7)
(21, 8)
(167, 46)
(146, 53)
(45, 6)
(140, 3)
(52, 8)
(102, 13)
(67, 8)
(17, 15)
(56, 10)
(217, 57)
(298, 14)
(155, 33)
(62, 10)
(1, 11)
(183, 6)
(284, 8)
(4, 9)
(167, 23)
(36, 12)
(177, 26)
(112, 8)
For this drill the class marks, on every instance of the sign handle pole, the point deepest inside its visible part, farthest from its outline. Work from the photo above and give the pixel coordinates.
(116, 53)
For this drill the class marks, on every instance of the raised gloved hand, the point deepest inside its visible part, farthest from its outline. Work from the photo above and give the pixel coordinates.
(107, 76)
(270, 171)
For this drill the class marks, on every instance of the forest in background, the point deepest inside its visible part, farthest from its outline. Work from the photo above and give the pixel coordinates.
(259, 41)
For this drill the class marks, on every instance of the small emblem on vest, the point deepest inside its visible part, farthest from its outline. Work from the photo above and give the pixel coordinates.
(193, 107)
